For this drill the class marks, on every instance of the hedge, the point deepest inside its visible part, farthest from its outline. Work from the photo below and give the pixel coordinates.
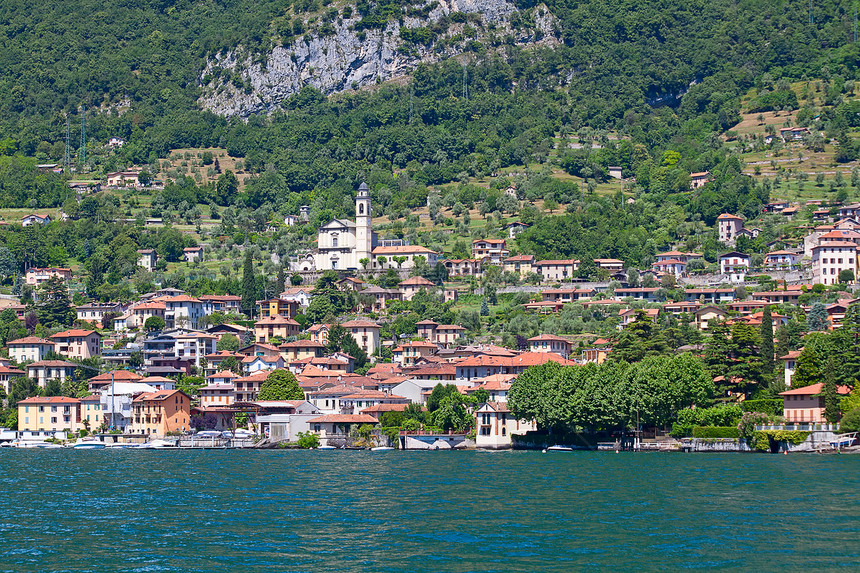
(773, 407)
(681, 430)
(715, 432)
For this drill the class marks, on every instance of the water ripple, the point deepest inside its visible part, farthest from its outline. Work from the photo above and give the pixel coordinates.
(424, 511)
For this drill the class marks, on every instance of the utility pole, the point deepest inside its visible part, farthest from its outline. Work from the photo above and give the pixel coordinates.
(466, 81)
(67, 154)
(82, 151)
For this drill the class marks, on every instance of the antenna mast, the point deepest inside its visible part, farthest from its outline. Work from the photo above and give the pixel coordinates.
(82, 152)
(67, 154)
(466, 81)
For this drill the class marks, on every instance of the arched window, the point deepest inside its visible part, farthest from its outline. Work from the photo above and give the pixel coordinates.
(361, 209)
(334, 242)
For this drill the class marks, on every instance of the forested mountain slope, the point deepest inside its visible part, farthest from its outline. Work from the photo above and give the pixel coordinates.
(666, 75)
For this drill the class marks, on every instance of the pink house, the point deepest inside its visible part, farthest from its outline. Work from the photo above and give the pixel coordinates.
(729, 226)
(806, 404)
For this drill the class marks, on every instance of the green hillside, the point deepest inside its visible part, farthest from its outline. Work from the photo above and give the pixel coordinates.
(661, 89)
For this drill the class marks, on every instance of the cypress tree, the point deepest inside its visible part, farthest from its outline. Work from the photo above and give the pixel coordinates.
(766, 347)
(831, 396)
(282, 280)
(249, 286)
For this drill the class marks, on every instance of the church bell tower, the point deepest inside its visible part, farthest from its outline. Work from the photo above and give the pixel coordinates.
(363, 230)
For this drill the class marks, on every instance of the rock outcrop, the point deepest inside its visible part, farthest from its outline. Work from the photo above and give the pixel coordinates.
(350, 59)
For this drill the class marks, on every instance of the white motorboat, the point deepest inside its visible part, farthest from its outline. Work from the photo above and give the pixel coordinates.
(381, 449)
(89, 445)
(558, 449)
(326, 448)
(155, 445)
(34, 444)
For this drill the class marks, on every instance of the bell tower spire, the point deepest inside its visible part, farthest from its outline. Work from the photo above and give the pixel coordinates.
(363, 228)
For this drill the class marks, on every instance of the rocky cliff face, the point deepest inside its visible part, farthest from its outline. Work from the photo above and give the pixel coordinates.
(350, 59)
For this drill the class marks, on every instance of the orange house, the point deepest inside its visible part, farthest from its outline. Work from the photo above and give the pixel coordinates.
(160, 413)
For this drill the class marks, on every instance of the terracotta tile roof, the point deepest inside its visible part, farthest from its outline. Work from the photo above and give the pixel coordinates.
(223, 374)
(408, 249)
(538, 358)
(302, 344)
(267, 359)
(159, 396)
(360, 323)
(256, 377)
(181, 298)
(29, 340)
(380, 408)
(150, 306)
(337, 390)
(224, 354)
(52, 364)
(441, 370)
(344, 419)
(76, 332)
(498, 406)
(118, 376)
(417, 281)
(496, 385)
(363, 394)
(841, 244)
(50, 400)
(548, 337)
(520, 258)
(812, 390)
(276, 319)
(559, 262)
(415, 344)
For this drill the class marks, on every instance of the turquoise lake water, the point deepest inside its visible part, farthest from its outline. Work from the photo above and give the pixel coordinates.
(284, 510)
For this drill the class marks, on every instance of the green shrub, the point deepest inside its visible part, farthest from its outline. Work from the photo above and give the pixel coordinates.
(851, 421)
(772, 407)
(681, 430)
(722, 415)
(766, 440)
(308, 441)
(715, 432)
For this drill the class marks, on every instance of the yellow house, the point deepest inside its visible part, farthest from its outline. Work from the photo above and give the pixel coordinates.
(301, 349)
(365, 333)
(275, 326)
(495, 424)
(54, 413)
(277, 307)
(520, 264)
(92, 414)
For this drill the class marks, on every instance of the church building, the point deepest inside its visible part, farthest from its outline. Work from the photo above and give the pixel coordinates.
(342, 244)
